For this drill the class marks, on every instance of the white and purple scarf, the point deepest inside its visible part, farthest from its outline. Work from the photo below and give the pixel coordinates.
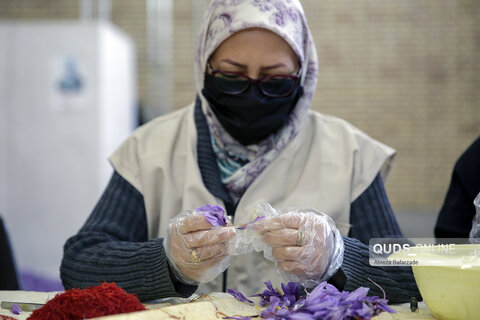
(240, 165)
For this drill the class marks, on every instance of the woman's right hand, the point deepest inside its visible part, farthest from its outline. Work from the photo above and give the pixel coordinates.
(197, 250)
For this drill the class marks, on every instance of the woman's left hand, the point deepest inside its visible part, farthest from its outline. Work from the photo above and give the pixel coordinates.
(303, 243)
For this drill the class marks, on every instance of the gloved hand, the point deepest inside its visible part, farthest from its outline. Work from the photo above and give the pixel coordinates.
(305, 244)
(197, 251)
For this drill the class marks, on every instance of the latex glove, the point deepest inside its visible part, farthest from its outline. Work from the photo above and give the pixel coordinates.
(475, 231)
(196, 250)
(305, 243)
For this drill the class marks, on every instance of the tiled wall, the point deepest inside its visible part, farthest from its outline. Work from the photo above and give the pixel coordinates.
(406, 72)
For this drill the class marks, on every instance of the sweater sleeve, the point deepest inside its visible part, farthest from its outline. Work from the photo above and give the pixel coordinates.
(457, 212)
(113, 246)
(372, 217)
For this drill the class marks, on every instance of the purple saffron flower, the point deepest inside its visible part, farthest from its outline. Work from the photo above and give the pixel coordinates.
(283, 313)
(318, 292)
(359, 293)
(291, 292)
(267, 294)
(239, 296)
(320, 304)
(381, 305)
(302, 316)
(214, 214)
(15, 309)
(359, 310)
(270, 288)
(332, 290)
(336, 313)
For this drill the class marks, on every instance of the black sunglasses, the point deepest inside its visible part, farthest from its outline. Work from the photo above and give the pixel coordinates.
(234, 83)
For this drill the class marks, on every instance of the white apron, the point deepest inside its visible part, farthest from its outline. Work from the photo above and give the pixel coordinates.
(325, 167)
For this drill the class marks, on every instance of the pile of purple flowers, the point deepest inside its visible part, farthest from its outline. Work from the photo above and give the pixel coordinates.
(324, 302)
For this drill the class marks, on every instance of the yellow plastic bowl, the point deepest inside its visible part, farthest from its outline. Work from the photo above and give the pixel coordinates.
(450, 292)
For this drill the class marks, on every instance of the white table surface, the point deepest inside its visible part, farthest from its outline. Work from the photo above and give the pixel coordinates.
(403, 310)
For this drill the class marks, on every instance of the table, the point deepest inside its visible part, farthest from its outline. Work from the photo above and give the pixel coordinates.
(211, 306)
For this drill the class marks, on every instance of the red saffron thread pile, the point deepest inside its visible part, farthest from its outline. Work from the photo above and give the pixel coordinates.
(91, 302)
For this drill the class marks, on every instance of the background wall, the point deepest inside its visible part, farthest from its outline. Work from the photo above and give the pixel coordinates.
(406, 72)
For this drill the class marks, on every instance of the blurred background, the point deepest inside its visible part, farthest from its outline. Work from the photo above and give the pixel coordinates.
(76, 77)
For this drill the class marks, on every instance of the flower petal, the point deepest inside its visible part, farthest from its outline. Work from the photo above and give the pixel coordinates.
(15, 309)
(215, 215)
(239, 296)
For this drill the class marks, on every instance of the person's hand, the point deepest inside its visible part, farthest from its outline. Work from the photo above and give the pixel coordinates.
(304, 243)
(197, 250)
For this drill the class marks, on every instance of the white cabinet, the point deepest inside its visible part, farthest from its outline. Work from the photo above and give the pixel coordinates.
(67, 100)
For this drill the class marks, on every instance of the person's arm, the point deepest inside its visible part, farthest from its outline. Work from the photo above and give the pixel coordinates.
(8, 280)
(371, 216)
(457, 212)
(113, 246)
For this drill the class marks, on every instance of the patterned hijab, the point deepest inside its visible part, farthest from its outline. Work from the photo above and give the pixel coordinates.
(240, 165)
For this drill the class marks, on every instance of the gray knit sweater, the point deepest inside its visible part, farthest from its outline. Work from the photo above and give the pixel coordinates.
(113, 244)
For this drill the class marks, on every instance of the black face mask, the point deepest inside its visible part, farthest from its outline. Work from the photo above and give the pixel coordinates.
(251, 116)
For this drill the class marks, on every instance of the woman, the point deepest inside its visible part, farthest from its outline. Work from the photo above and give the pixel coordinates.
(249, 137)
